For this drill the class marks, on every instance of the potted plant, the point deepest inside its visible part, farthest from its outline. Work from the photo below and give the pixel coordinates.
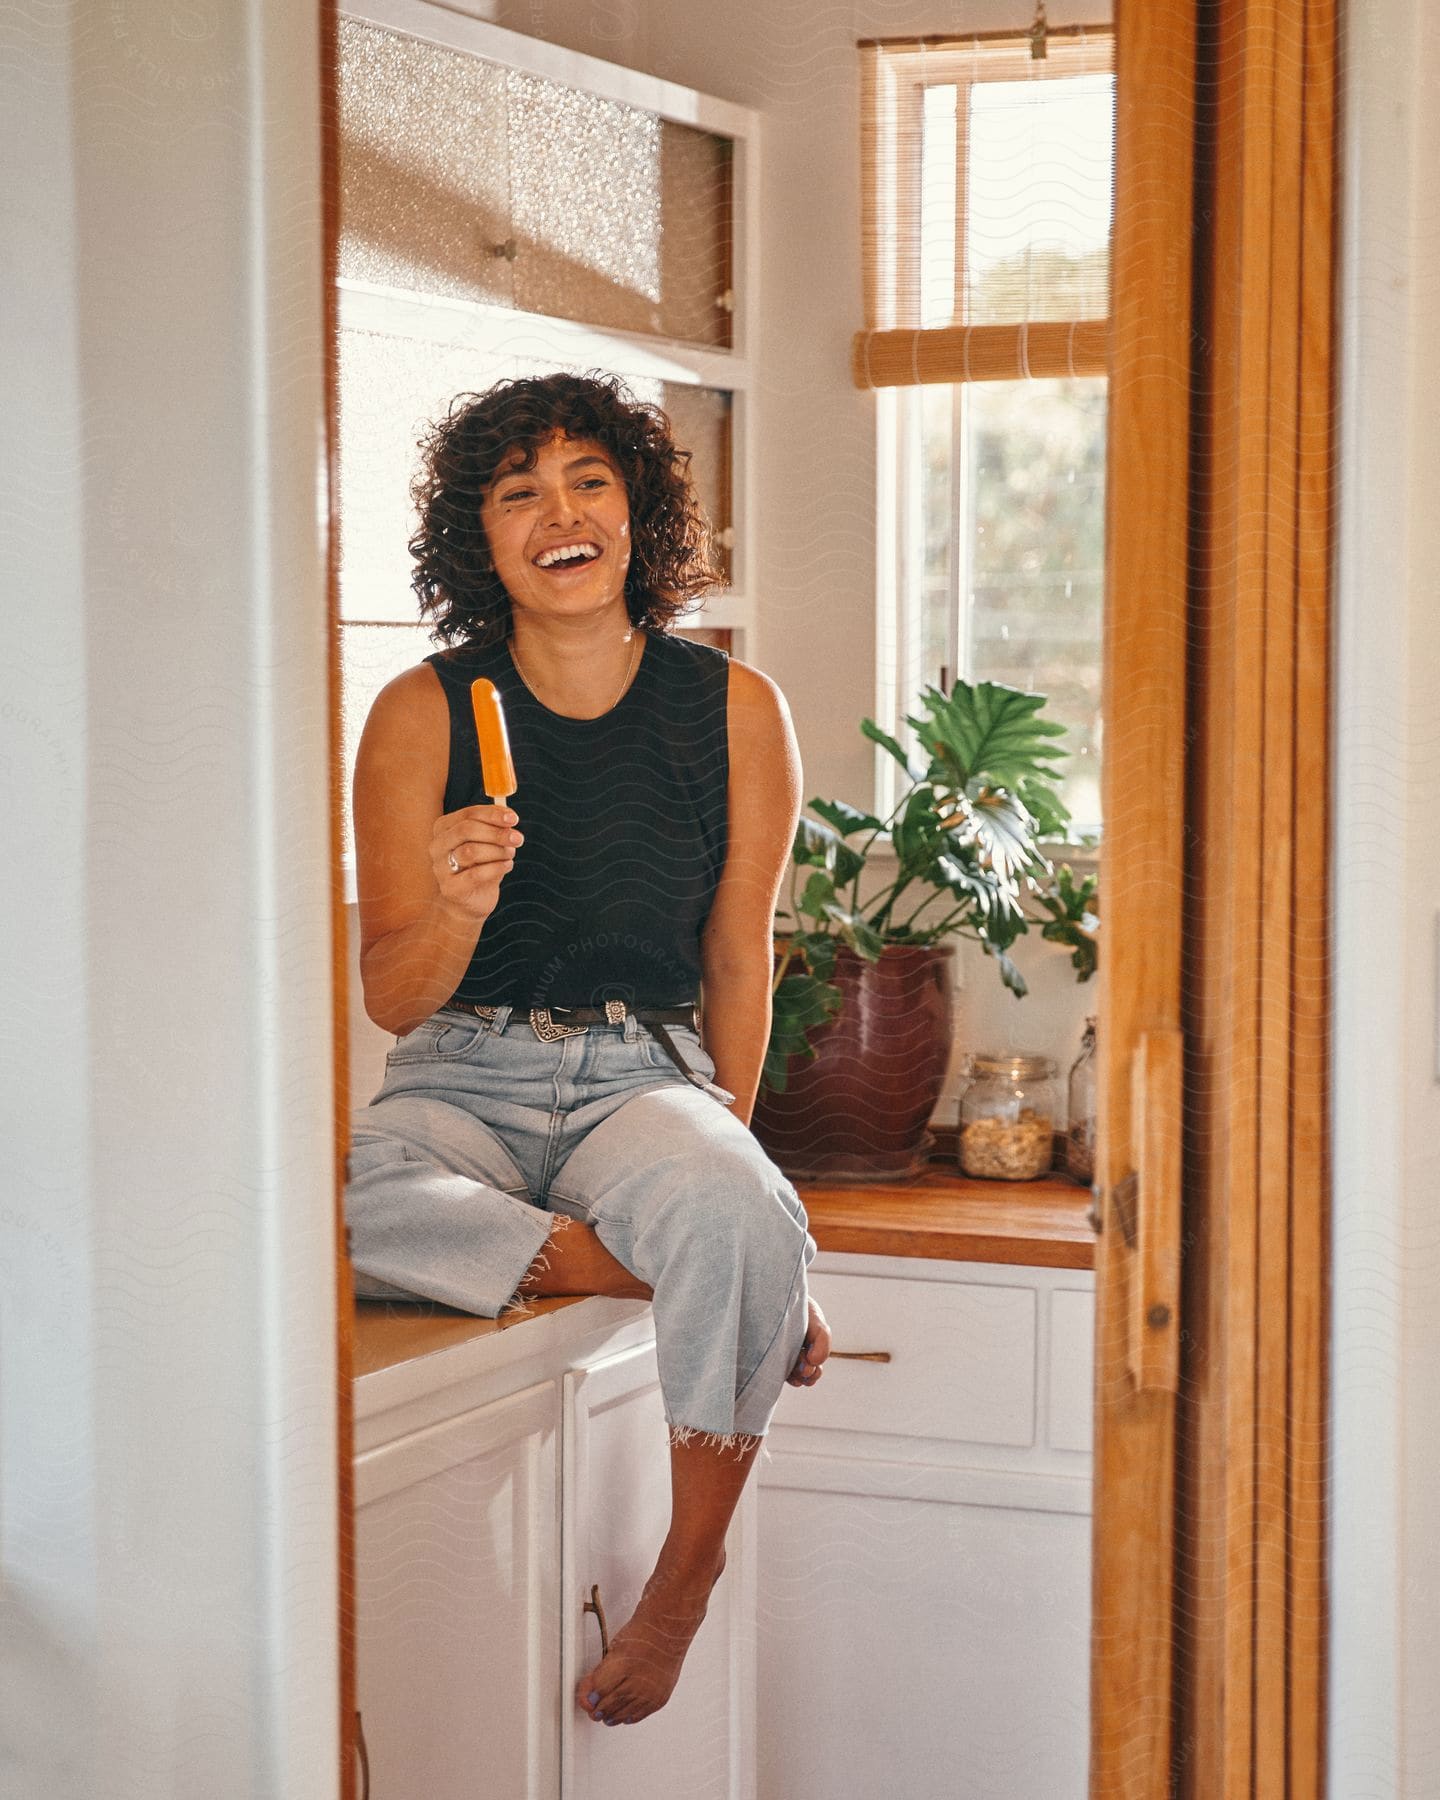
(860, 1033)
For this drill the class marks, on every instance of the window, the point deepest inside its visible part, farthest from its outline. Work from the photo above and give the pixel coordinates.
(988, 196)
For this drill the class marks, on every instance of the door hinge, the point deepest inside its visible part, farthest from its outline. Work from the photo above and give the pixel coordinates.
(1126, 1195)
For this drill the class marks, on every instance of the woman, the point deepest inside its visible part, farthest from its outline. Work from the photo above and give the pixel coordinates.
(550, 1122)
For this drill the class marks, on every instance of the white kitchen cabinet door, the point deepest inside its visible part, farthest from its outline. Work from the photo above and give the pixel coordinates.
(616, 1511)
(923, 1617)
(457, 1573)
(921, 1648)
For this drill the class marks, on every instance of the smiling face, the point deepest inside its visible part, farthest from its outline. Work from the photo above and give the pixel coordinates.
(559, 533)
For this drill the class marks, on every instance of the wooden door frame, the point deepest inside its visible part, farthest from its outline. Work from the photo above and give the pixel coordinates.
(1143, 775)
(1208, 1656)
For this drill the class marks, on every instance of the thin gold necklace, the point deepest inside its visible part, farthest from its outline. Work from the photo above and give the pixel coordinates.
(629, 671)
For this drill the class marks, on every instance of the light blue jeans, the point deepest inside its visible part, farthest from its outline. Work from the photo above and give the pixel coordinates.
(481, 1131)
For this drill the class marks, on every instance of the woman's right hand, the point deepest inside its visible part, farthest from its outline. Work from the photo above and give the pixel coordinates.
(482, 839)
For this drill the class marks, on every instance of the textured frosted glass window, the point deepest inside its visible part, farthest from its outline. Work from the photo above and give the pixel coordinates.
(424, 181)
(621, 220)
(606, 214)
(370, 655)
(585, 180)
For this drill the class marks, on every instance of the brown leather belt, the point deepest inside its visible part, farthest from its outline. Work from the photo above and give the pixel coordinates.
(613, 1012)
(581, 1018)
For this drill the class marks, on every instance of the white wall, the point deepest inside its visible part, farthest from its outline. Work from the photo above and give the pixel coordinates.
(1384, 1727)
(167, 1324)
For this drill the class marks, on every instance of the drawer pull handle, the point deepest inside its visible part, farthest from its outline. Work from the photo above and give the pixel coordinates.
(864, 1355)
(364, 1756)
(593, 1604)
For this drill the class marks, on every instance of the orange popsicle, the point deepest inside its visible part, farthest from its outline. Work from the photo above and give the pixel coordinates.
(496, 769)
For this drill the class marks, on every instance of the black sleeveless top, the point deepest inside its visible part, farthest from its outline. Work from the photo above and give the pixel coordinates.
(625, 826)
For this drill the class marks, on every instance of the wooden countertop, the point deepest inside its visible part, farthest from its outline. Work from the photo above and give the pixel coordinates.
(943, 1213)
(388, 1332)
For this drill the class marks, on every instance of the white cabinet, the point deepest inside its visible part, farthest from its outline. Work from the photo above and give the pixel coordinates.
(616, 1509)
(924, 1541)
(497, 1481)
(905, 1605)
(456, 1542)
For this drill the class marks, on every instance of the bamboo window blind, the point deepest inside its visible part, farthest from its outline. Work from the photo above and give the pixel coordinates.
(987, 192)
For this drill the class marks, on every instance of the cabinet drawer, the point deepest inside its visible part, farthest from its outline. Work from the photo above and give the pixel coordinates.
(962, 1360)
(1072, 1370)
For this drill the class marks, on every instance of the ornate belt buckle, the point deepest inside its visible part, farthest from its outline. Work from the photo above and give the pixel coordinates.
(615, 1012)
(548, 1030)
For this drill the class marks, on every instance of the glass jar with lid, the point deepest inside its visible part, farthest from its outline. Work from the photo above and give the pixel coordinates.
(1007, 1116)
(1080, 1132)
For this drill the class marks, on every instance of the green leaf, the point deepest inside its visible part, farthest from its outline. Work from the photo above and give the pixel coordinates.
(848, 864)
(814, 843)
(1072, 922)
(1084, 953)
(915, 831)
(956, 874)
(818, 949)
(1044, 805)
(987, 732)
(801, 1002)
(869, 943)
(850, 925)
(845, 818)
(1011, 976)
(1003, 831)
(818, 895)
(775, 1070)
(886, 742)
(1000, 930)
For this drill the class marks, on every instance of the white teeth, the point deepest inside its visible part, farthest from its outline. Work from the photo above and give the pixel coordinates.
(565, 553)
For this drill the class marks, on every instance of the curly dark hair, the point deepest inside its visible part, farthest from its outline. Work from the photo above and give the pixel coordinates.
(671, 555)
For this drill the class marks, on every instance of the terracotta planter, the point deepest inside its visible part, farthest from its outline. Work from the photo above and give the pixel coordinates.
(859, 1111)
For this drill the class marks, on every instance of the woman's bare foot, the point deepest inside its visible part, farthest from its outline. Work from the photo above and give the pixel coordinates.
(639, 1673)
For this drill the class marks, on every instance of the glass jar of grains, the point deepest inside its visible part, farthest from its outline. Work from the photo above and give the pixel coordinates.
(1007, 1116)
(1080, 1129)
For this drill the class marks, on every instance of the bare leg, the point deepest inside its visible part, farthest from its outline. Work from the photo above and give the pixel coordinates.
(707, 1476)
(572, 1260)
